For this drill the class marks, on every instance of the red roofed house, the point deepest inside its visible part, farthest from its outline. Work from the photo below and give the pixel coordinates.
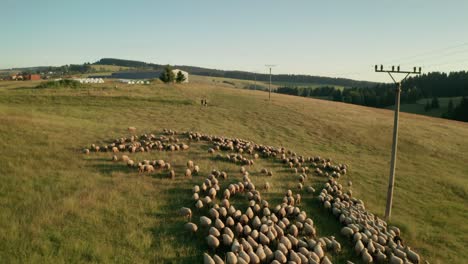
(33, 77)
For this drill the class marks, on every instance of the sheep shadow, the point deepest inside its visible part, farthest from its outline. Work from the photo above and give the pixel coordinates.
(107, 167)
(171, 225)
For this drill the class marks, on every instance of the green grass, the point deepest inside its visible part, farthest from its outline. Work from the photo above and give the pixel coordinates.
(109, 68)
(306, 85)
(418, 107)
(60, 206)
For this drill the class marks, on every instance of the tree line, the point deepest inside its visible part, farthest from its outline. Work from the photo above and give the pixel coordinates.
(430, 85)
(242, 75)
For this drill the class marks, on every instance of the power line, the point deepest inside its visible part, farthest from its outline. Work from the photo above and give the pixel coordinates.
(447, 63)
(434, 57)
(427, 53)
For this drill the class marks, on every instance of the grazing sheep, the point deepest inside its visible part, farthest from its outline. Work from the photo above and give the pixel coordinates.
(347, 232)
(149, 168)
(366, 257)
(214, 232)
(280, 257)
(196, 169)
(132, 129)
(310, 189)
(124, 158)
(412, 256)
(188, 173)
(395, 260)
(86, 151)
(114, 158)
(205, 221)
(161, 164)
(190, 164)
(325, 260)
(212, 241)
(358, 247)
(231, 258)
(212, 193)
(380, 257)
(191, 227)
(207, 259)
(186, 212)
(184, 146)
(299, 186)
(298, 199)
(172, 174)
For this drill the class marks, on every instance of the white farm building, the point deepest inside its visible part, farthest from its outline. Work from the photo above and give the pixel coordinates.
(175, 71)
(89, 80)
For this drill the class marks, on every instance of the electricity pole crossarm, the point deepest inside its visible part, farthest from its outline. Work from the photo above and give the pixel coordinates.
(391, 180)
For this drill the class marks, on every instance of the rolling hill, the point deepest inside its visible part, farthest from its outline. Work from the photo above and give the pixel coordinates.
(59, 205)
(241, 75)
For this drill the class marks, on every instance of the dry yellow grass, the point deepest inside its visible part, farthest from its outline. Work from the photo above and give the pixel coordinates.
(61, 206)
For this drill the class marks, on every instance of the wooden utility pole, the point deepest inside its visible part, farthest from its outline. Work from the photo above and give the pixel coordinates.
(391, 180)
(269, 85)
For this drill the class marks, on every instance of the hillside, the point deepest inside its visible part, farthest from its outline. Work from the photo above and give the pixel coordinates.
(418, 106)
(59, 205)
(242, 75)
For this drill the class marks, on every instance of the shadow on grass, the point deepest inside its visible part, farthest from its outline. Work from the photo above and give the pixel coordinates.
(171, 225)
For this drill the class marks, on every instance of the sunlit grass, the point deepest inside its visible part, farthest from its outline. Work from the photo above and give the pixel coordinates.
(61, 206)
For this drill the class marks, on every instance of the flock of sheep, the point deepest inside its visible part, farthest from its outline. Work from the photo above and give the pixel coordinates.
(263, 233)
(372, 237)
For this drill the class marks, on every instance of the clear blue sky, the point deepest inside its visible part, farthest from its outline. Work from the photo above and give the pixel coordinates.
(329, 38)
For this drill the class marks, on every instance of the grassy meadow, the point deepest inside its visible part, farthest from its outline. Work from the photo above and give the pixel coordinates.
(61, 206)
(109, 68)
(418, 107)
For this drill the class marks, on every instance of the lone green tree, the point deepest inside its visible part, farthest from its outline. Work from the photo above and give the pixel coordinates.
(180, 77)
(167, 76)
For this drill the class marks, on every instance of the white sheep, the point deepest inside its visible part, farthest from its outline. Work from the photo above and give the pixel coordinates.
(212, 241)
(191, 227)
(190, 164)
(186, 212)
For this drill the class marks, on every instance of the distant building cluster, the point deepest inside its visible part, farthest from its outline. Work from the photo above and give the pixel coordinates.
(25, 77)
(89, 80)
(126, 81)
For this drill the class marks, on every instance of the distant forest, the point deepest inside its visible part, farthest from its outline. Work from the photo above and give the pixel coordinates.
(430, 85)
(306, 79)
